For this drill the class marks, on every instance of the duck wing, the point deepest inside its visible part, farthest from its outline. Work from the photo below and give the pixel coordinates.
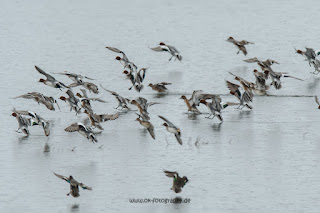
(72, 128)
(49, 77)
(171, 174)
(167, 121)
(62, 177)
(85, 186)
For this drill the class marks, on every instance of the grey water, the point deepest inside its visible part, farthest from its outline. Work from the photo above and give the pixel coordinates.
(263, 160)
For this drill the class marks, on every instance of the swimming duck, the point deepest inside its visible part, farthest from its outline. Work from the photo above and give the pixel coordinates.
(77, 78)
(148, 126)
(168, 48)
(172, 129)
(240, 44)
(74, 185)
(122, 102)
(72, 101)
(40, 99)
(124, 60)
(50, 81)
(83, 130)
(159, 87)
(36, 120)
(178, 182)
(23, 123)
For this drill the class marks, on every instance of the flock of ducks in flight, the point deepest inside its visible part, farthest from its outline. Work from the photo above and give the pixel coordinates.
(244, 93)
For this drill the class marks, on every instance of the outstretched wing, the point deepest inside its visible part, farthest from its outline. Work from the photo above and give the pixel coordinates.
(157, 49)
(107, 117)
(85, 186)
(49, 77)
(72, 128)
(114, 49)
(171, 174)
(252, 60)
(310, 53)
(234, 89)
(289, 76)
(75, 84)
(62, 177)
(112, 92)
(178, 137)
(167, 121)
(165, 83)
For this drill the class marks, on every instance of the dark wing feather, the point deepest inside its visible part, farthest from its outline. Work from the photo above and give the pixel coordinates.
(49, 77)
(62, 177)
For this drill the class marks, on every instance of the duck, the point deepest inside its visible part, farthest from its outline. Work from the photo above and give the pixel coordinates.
(85, 100)
(72, 101)
(77, 78)
(136, 78)
(214, 107)
(122, 102)
(97, 119)
(36, 120)
(172, 129)
(23, 123)
(261, 78)
(148, 126)
(159, 87)
(240, 44)
(178, 182)
(143, 112)
(194, 100)
(276, 76)
(124, 61)
(245, 98)
(41, 99)
(88, 85)
(83, 130)
(168, 48)
(74, 185)
(265, 63)
(309, 55)
(50, 81)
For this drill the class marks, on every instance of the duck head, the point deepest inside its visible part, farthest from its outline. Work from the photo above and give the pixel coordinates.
(230, 39)
(42, 80)
(165, 124)
(118, 58)
(185, 180)
(150, 85)
(63, 98)
(161, 43)
(14, 114)
(183, 97)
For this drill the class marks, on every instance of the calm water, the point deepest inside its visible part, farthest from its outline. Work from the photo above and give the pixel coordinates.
(264, 160)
